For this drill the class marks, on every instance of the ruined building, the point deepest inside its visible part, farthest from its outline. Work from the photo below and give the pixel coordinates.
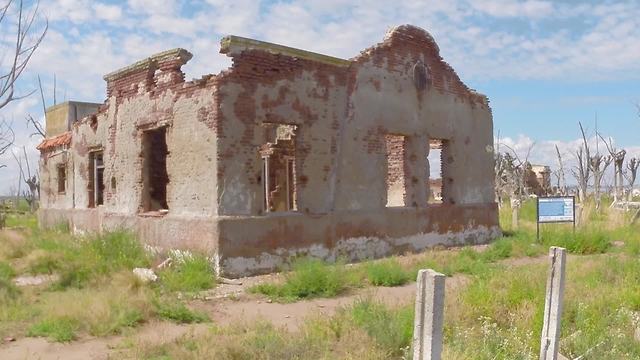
(285, 153)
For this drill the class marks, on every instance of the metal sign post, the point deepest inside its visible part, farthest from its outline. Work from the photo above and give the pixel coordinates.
(555, 209)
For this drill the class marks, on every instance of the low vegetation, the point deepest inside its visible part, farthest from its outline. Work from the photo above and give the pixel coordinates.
(309, 278)
(495, 314)
(190, 274)
(95, 291)
(386, 273)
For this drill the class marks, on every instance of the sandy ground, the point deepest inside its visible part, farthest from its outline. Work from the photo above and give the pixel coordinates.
(223, 311)
(225, 305)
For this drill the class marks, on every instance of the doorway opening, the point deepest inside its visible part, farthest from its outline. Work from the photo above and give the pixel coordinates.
(154, 170)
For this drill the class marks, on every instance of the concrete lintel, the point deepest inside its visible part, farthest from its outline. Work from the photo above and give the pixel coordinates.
(233, 45)
(173, 54)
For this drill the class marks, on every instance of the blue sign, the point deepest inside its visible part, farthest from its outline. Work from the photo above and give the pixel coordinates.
(556, 209)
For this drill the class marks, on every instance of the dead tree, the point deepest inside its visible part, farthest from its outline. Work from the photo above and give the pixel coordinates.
(21, 38)
(582, 170)
(7, 137)
(499, 169)
(618, 164)
(31, 121)
(631, 174)
(560, 175)
(598, 164)
(33, 183)
(515, 180)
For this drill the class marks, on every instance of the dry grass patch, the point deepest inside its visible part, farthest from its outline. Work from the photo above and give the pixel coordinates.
(318, 339)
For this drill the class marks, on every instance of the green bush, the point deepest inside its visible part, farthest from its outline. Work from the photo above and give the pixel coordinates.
(120, 318)
(177, 312)
(61, 329)
(80, 261)
(583, 241)
(8, 291)
(6, 271)
(309, 278)
(194, 273)
(392, 329)
(498, 250)
(386, 273)
(47, 264)
(118, 250)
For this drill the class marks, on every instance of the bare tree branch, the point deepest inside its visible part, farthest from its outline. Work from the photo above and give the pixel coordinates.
(618, 162)
(7, 136)
(562, 181)
(598, 165)
(631, 174)
(582, 171)
(32, 181)
(26, 39)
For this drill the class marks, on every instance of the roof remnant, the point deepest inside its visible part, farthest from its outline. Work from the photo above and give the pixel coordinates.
(236, 44)
(53, 142)
(169, 55)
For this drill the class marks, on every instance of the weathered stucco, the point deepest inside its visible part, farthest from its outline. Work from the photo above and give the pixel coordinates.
(341, 111)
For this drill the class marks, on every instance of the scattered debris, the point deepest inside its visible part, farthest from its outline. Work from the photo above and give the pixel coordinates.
(165, 264)
(145, 275)
(9, 339)
(229, 281)
(29, 280)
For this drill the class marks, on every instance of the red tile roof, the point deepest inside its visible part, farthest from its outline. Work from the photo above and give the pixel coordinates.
(52, 142)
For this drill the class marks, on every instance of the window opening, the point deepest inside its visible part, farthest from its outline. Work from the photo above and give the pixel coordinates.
(155, 177)
(436, 171)
(62, 178)
(396, 178)
(96, 178)
(278, 168)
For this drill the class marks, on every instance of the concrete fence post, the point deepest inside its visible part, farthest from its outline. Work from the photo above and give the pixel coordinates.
(553, 305)
(429, 316)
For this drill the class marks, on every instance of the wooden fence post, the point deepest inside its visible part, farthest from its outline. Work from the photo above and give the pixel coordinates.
(429, 316)
(553, 305)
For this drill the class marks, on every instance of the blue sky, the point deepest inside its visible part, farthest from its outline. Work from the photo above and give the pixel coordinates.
(544, 65)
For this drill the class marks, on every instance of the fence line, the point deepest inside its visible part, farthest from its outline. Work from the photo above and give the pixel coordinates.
(429, 311)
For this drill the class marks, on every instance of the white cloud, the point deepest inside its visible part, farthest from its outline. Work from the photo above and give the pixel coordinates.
(75, 11)
(510, 8)
(107, 12)
(482, 40)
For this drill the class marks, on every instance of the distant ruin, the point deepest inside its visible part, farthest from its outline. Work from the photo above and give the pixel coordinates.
(286, 153)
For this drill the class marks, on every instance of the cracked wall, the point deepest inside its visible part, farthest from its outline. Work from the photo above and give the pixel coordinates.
(219, 129)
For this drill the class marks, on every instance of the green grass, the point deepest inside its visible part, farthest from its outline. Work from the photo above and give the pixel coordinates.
(391, 329)
(584, 241)
(499, 314)
(194, 273)
(6, 271)
(80, 261)
(386, 273)
(28, 221)
(177, 312)
(309, 278)
(56, 329)
(8, 291)
(335, 338)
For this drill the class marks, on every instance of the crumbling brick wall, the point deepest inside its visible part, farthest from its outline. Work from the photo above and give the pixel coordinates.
(218, 132)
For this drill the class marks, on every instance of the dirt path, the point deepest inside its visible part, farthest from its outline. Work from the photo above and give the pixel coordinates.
(224, 311)
(12, 235)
